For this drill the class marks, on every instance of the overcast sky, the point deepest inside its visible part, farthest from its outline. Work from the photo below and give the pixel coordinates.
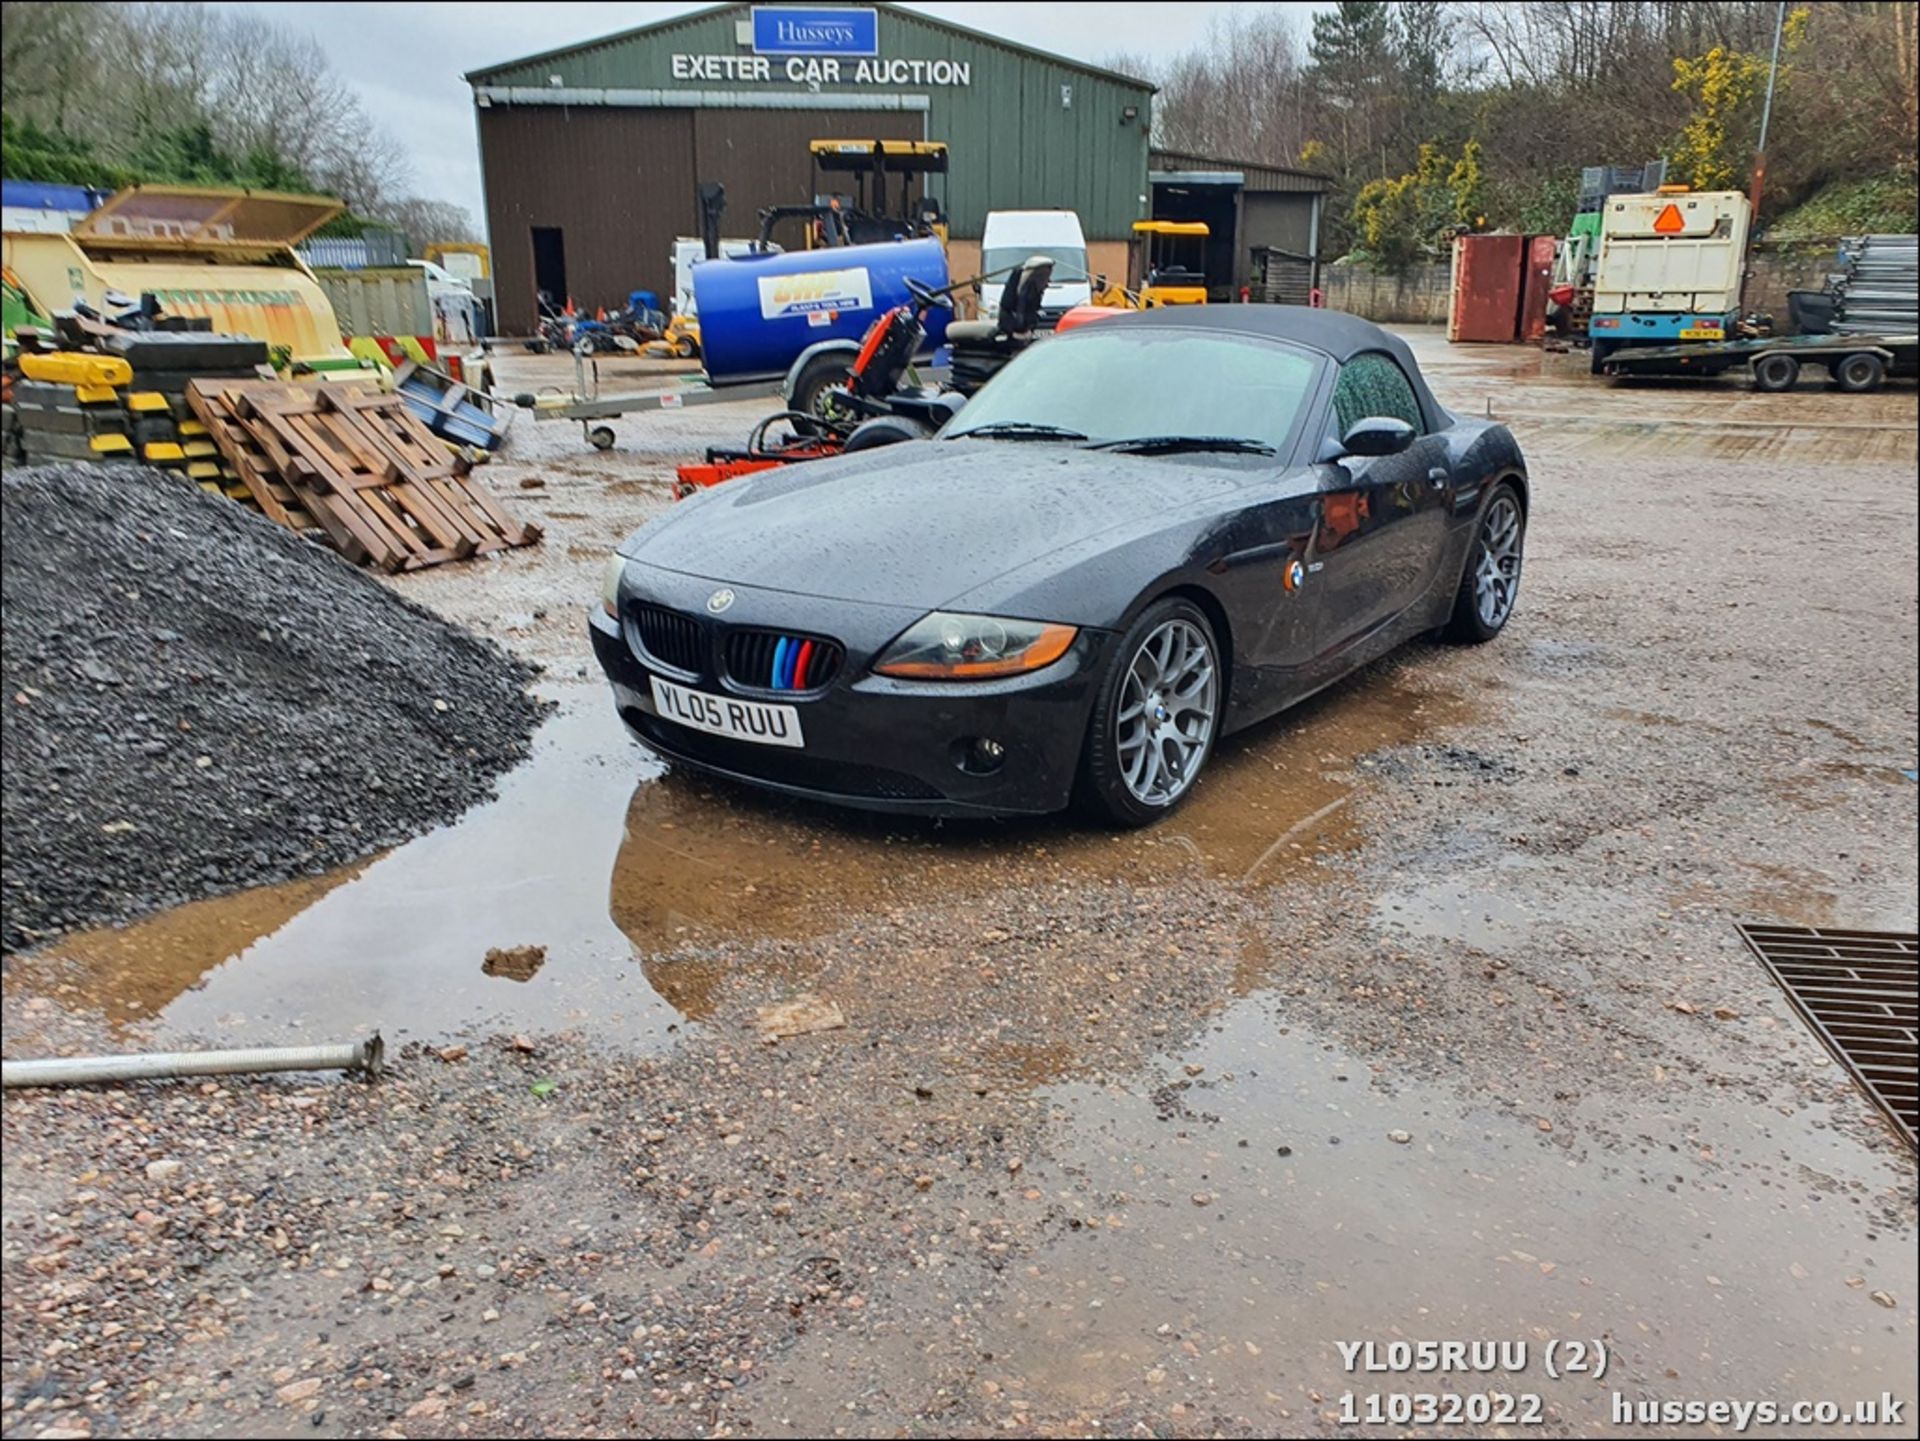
(407, 59)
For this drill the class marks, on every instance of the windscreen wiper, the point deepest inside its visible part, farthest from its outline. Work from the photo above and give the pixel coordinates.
(1168, 444)
(1019, 430)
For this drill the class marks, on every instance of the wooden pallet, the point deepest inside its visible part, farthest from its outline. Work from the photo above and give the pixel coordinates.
(245, 459)
(362, 466)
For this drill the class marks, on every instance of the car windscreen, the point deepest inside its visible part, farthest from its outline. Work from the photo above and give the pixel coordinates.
(1069, 261)
(1130, 382)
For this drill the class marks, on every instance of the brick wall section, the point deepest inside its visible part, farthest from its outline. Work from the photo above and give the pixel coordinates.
(1419, 295)
(1780, 266)
(1415, 296)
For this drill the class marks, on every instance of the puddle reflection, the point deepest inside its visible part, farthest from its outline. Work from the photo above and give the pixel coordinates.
(531, 910)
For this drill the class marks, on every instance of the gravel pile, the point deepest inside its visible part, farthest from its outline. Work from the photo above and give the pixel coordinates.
(197, 701)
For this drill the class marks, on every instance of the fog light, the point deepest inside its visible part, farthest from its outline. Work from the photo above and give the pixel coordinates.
(979, 755)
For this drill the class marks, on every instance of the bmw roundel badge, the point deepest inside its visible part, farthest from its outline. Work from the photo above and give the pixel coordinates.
(720, 600)
(1296, 575)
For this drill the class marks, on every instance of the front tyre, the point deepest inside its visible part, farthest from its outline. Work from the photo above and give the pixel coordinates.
(1155, 716)
(1490, 584)
(812, 401)
(885, 430)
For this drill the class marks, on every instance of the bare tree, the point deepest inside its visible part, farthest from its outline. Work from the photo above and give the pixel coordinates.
(429, 222)
(119, 75)
(47, 55)
(1240, 93)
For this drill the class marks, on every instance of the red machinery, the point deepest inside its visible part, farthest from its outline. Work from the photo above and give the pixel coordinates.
(872, 407)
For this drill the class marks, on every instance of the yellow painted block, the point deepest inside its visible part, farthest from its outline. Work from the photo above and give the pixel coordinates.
(192, 429)
(110, 445)
(96, 395)
(199, 449)
(67, 367)
(211, 487)
(203, 470)
(148, 402)
(164, 452)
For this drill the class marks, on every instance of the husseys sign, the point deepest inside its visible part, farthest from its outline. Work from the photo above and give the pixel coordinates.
(779, 30)
(834, 46)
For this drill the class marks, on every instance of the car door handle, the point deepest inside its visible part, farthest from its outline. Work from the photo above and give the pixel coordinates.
(1438, 476)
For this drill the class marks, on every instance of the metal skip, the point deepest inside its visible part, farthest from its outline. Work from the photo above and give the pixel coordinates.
(364, 1057)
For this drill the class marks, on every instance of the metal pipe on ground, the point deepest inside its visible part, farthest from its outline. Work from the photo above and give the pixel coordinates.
(364, 1057)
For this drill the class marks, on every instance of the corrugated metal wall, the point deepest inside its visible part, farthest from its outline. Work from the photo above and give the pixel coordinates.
(1255, 177)
(1014, 142)
(618, 183)
(378, 301)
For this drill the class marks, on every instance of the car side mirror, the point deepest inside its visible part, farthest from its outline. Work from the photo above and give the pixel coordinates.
(1377, 435)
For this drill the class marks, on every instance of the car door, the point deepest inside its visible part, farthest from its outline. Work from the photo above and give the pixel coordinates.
(1257, 557)
(1382, 522)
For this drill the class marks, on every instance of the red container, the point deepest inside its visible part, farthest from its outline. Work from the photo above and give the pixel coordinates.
(1539, 280)
(1487, 283)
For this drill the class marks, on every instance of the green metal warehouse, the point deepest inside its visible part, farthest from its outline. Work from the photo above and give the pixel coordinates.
(591, 154)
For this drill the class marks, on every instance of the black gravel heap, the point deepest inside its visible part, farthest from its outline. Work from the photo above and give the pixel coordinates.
(197, 700)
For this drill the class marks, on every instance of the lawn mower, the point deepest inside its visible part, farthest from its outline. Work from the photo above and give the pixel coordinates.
(872, 405)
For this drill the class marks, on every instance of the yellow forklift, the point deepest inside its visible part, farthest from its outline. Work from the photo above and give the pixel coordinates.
(1169, 262)
(857, 174)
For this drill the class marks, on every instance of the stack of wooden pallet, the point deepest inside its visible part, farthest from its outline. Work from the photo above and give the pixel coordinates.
(356, 464)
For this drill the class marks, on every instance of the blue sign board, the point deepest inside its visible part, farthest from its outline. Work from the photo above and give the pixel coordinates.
(784, 30)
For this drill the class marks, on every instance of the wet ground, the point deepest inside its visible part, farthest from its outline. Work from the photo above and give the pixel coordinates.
(669, 874)
(1425, 1019)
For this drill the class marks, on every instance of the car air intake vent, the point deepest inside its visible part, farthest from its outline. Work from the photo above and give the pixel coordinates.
(669, 638)
(779, 660)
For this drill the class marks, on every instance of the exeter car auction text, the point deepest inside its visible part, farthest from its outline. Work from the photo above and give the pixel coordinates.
(823, 70)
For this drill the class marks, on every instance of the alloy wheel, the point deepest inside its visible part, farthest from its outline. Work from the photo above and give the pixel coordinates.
(1166, 714)
(1496, 574)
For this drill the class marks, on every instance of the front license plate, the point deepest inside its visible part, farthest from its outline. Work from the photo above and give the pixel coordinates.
(1704, 332)
(725, 715)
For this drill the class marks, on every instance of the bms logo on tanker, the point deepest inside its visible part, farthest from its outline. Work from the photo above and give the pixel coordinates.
(786, 296)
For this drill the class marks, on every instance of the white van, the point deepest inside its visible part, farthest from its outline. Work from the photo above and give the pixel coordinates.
(456, 313)
(1015, 236)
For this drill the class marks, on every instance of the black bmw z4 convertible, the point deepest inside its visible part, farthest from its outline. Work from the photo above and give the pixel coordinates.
(1139, 536)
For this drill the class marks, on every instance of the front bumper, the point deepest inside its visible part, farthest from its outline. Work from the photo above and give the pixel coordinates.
(871, 741)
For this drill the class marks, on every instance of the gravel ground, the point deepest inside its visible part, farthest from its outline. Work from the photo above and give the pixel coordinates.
(1424, 1019)
(198, 700)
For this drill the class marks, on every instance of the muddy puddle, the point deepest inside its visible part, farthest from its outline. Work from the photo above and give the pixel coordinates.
(1476, 916)
(1220, 1224)
(637, 892)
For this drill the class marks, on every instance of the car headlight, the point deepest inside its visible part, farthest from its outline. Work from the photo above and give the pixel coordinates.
(973, 647)
(610, 585)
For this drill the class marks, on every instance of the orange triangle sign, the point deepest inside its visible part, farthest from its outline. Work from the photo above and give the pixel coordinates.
(1669, 221)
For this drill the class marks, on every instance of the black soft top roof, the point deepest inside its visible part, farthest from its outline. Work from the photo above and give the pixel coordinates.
(1331, 332)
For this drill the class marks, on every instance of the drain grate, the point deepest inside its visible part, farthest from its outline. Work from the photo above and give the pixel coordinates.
(1857, 989)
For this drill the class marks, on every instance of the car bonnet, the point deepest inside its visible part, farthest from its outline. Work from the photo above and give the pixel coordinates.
(918, 523)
